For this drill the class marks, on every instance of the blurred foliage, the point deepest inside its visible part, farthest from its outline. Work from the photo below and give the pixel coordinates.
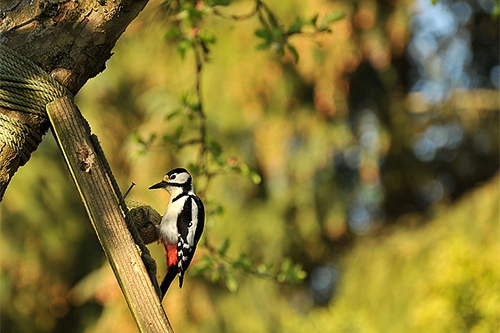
(342, 168)
(443, 277)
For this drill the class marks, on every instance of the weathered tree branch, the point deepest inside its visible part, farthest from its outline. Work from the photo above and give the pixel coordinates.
(90, 176)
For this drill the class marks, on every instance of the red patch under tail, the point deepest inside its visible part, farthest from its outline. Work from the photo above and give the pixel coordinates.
(171, 254)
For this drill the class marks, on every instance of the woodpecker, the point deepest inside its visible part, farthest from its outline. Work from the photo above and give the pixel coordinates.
(181, 226)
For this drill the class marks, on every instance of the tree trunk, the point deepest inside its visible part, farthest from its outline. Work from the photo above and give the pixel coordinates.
(71, 40)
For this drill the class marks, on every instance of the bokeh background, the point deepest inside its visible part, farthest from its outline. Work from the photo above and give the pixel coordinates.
(375, 165)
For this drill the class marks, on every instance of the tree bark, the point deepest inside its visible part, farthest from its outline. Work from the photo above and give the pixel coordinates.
(71, 40)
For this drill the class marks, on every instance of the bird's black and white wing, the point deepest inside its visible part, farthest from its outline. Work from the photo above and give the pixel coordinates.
(190, 227)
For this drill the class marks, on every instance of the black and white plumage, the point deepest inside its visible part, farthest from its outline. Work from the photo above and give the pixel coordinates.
(181, 225)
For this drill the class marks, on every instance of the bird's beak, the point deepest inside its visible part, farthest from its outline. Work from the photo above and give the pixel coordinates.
(161, 184)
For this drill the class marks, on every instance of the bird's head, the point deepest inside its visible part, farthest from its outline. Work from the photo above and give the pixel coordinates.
(176, 180)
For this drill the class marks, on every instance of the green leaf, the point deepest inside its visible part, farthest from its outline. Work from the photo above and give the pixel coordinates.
(167, 138)
(193, 168)
(256, 178)
(293, 50)
(191, 100)
(136, 137)
(290, 272)
(333, 16)
(231, 282)
(277, 34)
(225, 245)
(250, 173)
(172, 33)
(214, 147)
(152, 137)
(173, 114)
(329, 18)
(296, 27)
(263, 46)
(206, 36)
(183, 47)
(206, 263)
(215, 276)
(243, 262)
(178, 131)
(193, 13)
(263, 33)
(203, 266)
(220, 160)
(314, 19)
(215, 209)
(264, 269)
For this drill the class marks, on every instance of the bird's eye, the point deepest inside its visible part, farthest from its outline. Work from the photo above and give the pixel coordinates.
(172, 177)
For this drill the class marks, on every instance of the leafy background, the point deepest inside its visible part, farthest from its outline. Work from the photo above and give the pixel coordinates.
(350, 176)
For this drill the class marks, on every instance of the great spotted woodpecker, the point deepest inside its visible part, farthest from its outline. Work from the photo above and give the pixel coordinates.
(182, 224)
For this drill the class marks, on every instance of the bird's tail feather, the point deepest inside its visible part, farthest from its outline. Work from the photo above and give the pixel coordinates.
(167, 280)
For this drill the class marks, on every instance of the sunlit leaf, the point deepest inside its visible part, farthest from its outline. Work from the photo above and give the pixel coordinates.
(231, 282)
(256, 178)
(330, 18)
(264, 269)
(249, 173)
(290, 272)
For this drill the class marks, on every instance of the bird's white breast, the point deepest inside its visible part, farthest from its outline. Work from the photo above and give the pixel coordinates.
(168, 226)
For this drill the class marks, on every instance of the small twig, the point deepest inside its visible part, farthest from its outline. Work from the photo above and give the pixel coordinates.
(189, 142)
(128, 191)
(231, 262)
(203, 125)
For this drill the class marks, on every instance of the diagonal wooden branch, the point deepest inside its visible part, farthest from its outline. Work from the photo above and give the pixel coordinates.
(88, 172)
